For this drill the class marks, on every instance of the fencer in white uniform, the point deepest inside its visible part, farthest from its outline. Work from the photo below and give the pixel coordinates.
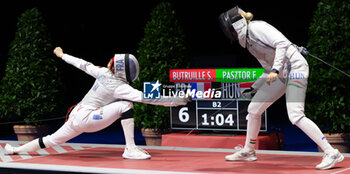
(286, 72)
(110, 98)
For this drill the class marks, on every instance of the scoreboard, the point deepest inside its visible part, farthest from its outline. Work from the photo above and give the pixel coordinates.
(213, 114)
(225, 113)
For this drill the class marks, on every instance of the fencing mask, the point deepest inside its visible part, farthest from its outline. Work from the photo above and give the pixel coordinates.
(126, 67)
(234, 25)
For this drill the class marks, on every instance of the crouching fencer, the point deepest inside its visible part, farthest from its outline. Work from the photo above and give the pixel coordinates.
(286, 72)
(109, 99)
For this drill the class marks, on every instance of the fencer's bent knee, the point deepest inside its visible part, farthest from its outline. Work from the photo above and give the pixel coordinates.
(127, 106)
(255, 109)
(254, 116)
(295, 113)
(294, 118)
(49, 141)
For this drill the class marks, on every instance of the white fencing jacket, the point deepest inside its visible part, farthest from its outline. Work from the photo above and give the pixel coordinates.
(108, 88)
(272, 49)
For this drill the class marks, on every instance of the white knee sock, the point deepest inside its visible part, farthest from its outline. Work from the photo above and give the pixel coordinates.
(28, 147)
(128, 128)
(312, 130)
(253, 127)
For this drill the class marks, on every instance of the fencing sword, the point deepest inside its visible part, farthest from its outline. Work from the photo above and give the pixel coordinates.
(304, 52)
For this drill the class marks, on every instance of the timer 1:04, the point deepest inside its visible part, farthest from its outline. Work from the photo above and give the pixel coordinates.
(217, 120)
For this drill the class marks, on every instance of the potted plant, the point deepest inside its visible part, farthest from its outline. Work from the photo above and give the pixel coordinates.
(30, 88)
(161, 48)
(328, 94)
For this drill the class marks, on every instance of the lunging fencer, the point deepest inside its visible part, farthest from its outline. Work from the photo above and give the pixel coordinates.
(109, 99)
(286, 72)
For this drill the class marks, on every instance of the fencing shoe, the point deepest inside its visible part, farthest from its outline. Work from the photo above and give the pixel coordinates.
(135, 153)
(9, 149)
(242, 155)
(330, 159)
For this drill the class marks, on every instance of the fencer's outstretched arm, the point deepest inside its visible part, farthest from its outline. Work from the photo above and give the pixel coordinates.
(85, 66)
(129, 93)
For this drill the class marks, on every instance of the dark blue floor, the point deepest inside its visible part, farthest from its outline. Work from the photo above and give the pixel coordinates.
(296, 140)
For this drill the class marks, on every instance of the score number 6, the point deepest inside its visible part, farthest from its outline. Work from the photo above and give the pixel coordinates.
(183, 115)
